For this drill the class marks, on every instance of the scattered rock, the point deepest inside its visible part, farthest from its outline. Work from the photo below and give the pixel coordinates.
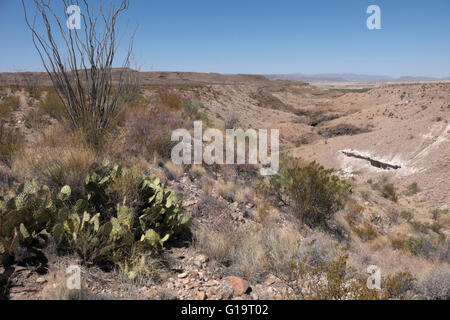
(239, 285)
(151, 293)
(225, 292)
(41, 280)
(270, 280)
(201, 295)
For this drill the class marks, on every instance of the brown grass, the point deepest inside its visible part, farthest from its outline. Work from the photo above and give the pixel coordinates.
(58, 157)
(51, 104)
(11, 141)
(7, 105)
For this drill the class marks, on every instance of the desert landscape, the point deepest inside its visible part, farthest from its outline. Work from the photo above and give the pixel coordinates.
(101, 197)
(389, 142)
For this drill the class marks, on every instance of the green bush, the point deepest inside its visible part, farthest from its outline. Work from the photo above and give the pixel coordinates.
(314, 193)
(419, 246)
(191, 109)
(412, 189)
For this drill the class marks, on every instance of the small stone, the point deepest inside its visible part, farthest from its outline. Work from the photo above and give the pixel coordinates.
(182, 275)
(40, 280)
(190, 203)
(239, 285)
(270, 280)
(201, 295)
(193, 273)
(150, 293)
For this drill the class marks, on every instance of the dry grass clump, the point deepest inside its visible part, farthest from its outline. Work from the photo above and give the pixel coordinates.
(215, 244)
(226, 190)
(57, 278)
(51, 104)
(8, 104)
(57, 158)
(387, 189)
(36, 119)
(215, 238)
(197, 172)
(254, 250)
(412, 189)
(175, 171)
(242, 249)
(11, 140)
(170, 98)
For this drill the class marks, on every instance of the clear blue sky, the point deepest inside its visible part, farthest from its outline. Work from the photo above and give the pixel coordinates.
(260, 36)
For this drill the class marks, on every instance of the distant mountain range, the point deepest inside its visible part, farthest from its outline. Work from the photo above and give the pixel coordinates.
(345, 77)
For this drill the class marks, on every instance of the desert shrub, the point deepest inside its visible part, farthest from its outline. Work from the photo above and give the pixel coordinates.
(312, 191)
(330, 280)
(226, 190)
(342, 129)
(30, 83)
(443, 249)
(436, 213)
(436, 285)
(216, 238)
(333, 278)
(419, 226)
(36, 119)
(388, 191)
(170, 98)
(197, 172)
(216, 245)
(7, 105)
(396, 286)
(191, 109)
(419, 246)
(407, 215)
(52, 105)
(149, 132)
(412, 189)
(386, 188)
(10, 142)
(398, 242)
(173, 171)
(366, 231)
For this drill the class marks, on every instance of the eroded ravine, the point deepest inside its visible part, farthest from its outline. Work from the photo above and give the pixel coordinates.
(373, 162)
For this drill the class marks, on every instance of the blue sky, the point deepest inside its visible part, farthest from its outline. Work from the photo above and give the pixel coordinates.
(250, 36)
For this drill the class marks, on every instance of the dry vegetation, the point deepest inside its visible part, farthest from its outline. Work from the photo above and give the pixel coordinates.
(306, 227)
